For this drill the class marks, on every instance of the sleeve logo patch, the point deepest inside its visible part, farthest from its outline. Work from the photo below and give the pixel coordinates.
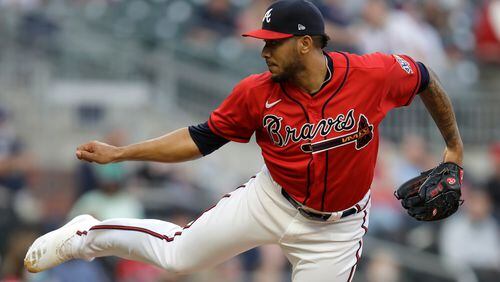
(404, 64)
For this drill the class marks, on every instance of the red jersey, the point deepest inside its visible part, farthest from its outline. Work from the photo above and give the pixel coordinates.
(320, 148)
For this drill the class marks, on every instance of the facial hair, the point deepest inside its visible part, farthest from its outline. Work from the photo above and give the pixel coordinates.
(289, 71)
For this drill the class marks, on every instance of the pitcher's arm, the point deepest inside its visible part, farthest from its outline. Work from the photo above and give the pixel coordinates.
(439, 105)
(177, 146)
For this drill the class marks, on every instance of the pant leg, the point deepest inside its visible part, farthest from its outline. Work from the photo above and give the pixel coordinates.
(240, 221)
(325, 251)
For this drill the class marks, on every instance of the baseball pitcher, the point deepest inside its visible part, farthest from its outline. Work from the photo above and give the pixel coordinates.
(316, 117)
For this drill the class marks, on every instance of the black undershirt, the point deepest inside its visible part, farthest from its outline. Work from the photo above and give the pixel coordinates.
(205, 139)
(424, 77)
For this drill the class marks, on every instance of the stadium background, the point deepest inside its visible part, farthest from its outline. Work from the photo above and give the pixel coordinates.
(125, 70)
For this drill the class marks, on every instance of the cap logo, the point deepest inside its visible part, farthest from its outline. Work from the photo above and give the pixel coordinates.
(267, 16)
(301, 27)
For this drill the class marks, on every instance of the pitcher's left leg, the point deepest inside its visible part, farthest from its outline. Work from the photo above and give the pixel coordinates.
(322, 251)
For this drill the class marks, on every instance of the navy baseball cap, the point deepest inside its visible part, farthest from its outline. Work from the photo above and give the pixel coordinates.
(286, 18)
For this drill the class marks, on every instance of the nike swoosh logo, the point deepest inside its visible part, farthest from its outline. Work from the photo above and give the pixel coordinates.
(270, 105)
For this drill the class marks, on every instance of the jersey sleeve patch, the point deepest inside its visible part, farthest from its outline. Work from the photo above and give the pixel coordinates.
(404, 64)
(402, 81)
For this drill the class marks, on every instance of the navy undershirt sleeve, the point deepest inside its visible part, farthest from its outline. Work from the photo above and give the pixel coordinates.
(205, 139)
(424, 77)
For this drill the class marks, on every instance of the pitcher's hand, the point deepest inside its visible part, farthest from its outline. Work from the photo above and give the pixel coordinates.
(98, 152)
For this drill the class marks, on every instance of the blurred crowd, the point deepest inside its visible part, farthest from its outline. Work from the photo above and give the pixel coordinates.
(444, 34)
(455, 38)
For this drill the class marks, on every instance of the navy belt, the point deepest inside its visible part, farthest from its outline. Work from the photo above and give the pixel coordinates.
(312, 215)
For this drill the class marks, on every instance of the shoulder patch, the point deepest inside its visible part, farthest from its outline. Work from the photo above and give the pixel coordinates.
(404, 64)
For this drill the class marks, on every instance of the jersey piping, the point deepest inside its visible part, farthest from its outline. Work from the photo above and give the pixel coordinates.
(329, 73)
(307, 119)
(323, 116)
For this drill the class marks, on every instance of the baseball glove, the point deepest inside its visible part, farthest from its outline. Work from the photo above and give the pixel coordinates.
(434, 194)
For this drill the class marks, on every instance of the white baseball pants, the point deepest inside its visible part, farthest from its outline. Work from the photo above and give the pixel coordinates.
(252, 215)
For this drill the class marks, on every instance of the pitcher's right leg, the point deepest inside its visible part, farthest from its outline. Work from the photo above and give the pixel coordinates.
(237, 223)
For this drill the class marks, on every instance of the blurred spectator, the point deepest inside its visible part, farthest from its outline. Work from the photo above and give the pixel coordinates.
(154, 175)
(436, 16)
(472, 238)
(493, 183)
(15, 161)
(86, 179)
(134, 271)
(272, 265)
(333, 13)
(173, 191)
(37, 30)
(27, 202)
(229, 271)
(337, 24)
(396, 31)
(18, 241)
(110, 200)
(16, 166)
(383, 267)
(56, 196)
(415, 159)
(214, 20)
(386, 214)
(76, 271)
(487, 32)
(8, 218)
